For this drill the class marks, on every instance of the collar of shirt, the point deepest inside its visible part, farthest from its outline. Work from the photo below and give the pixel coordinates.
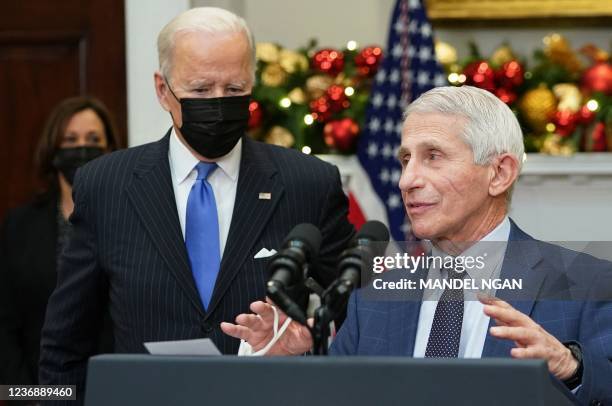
(493, 251)
(183, 162)
(501, 234)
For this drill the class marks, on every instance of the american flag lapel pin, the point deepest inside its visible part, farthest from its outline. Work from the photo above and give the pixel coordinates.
(265, 196)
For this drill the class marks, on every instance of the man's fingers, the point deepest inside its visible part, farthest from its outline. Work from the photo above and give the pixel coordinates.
(521, 335)
(507, 315)
(492, 300)
(236, 331)
(250, 321)
(265, 311)
(527, 353)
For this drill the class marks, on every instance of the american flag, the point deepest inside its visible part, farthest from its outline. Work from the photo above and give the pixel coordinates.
(408, 69)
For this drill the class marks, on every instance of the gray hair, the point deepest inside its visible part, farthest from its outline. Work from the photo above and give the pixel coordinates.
(211, 20)
(491, 128)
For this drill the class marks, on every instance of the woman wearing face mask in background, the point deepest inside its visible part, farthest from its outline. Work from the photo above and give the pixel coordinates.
(78, 130)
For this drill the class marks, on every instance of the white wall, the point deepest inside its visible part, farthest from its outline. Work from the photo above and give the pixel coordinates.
(293, 22)
(147, 121)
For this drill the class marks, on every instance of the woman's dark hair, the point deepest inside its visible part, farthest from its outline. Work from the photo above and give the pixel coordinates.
(54, 130)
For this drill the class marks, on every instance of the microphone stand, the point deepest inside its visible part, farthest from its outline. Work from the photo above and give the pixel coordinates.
(333, 301)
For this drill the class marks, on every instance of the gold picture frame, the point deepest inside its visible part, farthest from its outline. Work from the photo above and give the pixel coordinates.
(470, 10)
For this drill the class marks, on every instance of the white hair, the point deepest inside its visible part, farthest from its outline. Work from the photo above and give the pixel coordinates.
(491, 128)
(211, 20)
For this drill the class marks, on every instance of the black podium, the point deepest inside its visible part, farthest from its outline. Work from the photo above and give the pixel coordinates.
(178, 380)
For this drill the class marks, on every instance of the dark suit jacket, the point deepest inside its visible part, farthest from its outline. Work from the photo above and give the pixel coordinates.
(568, 294)
(27, 278)
(127, 251)
(28, 275)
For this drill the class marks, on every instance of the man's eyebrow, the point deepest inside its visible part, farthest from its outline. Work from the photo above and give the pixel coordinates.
(401, 152)
(199, 82)
(427, 145)
(431, 145)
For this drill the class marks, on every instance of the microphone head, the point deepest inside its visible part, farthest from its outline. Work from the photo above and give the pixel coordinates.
(308, 235)
(373, 231)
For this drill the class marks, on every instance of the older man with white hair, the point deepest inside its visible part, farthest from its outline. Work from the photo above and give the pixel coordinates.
(173, 237)
(461, 153)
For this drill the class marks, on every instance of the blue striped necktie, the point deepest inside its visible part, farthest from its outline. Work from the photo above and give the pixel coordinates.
(202, 233)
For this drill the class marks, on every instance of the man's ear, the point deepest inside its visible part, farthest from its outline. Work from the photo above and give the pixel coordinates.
(161, 89)
(504, 172)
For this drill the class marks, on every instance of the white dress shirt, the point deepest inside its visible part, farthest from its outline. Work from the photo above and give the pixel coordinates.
(475, 322)
(223, 180)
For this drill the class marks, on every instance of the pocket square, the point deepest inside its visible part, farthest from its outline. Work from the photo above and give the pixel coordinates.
(264, 253)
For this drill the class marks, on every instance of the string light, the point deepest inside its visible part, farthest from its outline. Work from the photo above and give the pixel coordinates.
(308, 119)
(550, 127)
(349, 91)
(592, 105)
(453, 78)
(351, 45)
(285, 102)
(306, 149)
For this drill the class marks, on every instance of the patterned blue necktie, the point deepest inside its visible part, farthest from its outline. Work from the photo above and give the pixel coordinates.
(202, 233)
(445, 334)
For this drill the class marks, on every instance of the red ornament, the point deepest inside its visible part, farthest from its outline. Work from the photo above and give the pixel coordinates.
(565, 122)
(256, 114)
(341, 134)
(510, 75)
(320, 109)
(505, 95)
(328, 61)
(338, 101)
(598, 78)
(368, 60)
(480, 74)
(598, 138)
(586, 115)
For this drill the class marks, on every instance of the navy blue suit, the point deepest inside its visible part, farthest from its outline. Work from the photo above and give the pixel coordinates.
(127, 253)
(388, 327)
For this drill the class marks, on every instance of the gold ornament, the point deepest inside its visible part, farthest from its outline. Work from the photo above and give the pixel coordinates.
(537, 106)
(317, 85)
(558, 50)
(553, 144)
(292, 61)
(280, 136)
(267, 52)
(446, 53)
(297, 96)
(570, 98)
(502, 55)
(273, 75)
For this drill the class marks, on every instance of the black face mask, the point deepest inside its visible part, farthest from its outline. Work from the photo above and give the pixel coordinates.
(68, 160)
(213, 126)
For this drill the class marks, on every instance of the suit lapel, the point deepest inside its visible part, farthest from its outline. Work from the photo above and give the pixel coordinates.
(522, 257)
(152, 195)
(251, 213)
(406, 316)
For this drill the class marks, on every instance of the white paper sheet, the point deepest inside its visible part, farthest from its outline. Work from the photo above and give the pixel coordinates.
(199, 346)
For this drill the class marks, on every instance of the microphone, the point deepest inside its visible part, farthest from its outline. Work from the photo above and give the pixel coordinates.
(370, 241)
(287, 269)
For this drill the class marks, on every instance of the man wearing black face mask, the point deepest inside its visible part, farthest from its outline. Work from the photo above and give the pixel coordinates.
(173, 236)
